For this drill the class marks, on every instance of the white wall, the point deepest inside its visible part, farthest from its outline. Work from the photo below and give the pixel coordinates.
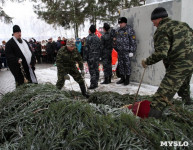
(187, 14)
(139, 18)
(154, 1)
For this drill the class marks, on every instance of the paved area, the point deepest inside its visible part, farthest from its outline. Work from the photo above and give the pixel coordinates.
(7, 81)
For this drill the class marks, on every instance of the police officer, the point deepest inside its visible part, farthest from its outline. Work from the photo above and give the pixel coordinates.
(66, 60)
(106, 51)
(173, 43)
(91, 55)
(126, 46)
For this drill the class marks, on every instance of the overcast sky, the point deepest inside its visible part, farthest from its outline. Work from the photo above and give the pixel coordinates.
(24, 16)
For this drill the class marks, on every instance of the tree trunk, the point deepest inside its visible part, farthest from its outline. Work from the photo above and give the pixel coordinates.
(76, 30)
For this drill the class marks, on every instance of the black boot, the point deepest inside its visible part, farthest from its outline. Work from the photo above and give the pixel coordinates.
(155, 113)
(127, 80)
(83, 90)
(122, 80)
(106, 81)
(110, 79)
(93, 86)
(187, 101)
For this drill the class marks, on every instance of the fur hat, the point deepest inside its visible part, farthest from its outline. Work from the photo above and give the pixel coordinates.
(122, 20)
(92, 28)
(16, 28)
(70, 42)
(106, 26)
(159, 12)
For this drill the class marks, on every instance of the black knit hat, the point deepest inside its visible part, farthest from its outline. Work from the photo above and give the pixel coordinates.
(122, 20)
(159, 12)
(106, 26)
(16, 28)
(92, 28)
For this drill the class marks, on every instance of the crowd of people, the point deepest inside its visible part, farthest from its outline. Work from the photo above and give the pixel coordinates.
(45, 51)
(3, 61)
(172, 42)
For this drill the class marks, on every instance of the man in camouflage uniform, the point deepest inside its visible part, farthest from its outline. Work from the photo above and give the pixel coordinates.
(106, 51)
(126, 46)
(91, 55)
(173, 43)
(66, 60)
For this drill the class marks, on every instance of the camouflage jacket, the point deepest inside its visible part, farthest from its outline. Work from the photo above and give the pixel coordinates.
(67, 60)
(92, 47)
(125, 39)
(173, 43)
(106, 45)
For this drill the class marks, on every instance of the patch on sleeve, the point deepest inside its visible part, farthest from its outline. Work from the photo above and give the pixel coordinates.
(133, 37)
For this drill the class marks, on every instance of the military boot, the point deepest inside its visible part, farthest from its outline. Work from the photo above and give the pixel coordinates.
(106, 81)
(126, 82)
(93, 86)
(122, 80)
(155, 113)
(83, 90)
(110, 79)
(188, 101)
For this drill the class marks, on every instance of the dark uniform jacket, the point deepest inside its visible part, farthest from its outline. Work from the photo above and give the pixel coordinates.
(126, 40)
(92, 48)
(106, 45)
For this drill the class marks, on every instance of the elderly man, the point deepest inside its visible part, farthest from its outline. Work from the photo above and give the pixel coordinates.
(66, 60)
(173, 43)
(18, 51)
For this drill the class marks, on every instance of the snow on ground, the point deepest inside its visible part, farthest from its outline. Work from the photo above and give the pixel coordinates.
(49, 75)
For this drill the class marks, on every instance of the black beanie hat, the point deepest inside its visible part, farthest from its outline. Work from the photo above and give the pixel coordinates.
(106, 26)
(92, 28)
(122, 19)
(16, 28)
(159, 12)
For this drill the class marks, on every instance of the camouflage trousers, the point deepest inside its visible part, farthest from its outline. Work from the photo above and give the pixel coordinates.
(124, 63)
(73, 72)
(93, 66)
(107, 66)
(174, 81)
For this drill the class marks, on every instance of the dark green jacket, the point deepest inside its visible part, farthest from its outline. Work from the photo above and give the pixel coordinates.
(67, 60)
(173, 43)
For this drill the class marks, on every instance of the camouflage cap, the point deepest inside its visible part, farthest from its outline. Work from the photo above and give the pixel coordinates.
(70, 42)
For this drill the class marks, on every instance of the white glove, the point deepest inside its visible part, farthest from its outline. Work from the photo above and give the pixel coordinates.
(82, 73)
(130, 54)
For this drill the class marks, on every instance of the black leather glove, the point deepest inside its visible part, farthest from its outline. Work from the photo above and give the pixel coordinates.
(155, 113)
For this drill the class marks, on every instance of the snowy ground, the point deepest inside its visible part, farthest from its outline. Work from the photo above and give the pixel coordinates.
(48, 74)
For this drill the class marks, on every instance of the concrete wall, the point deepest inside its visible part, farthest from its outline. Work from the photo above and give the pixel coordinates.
(154, 1)
(139, 18)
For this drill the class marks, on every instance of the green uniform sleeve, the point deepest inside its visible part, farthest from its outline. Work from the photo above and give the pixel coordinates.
(162, 46)
(79, 59)
(59, 58)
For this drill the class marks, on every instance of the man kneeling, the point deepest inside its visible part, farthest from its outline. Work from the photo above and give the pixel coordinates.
(66, 60)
